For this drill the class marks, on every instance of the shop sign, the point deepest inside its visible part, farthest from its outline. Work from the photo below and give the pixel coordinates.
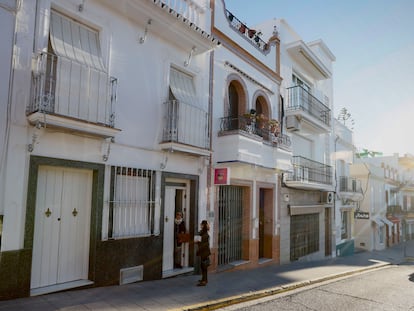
(361, 215)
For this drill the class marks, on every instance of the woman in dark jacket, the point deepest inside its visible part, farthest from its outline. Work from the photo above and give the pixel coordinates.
(204, 252)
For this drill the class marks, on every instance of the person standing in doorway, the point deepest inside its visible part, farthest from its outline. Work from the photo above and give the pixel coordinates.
(204, 252)
(179, 228)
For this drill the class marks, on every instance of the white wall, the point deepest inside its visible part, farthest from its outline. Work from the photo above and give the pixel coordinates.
(7, 24)
(143, 78)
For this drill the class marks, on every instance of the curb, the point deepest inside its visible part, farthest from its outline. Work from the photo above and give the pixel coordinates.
(224, 302)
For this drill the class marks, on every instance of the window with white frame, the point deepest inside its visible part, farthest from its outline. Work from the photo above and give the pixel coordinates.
(132, 207)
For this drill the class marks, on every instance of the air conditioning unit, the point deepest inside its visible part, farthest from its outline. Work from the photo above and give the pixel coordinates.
(292, 123)
(327, 197)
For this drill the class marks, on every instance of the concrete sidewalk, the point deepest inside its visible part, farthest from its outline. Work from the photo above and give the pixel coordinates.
(224, 288)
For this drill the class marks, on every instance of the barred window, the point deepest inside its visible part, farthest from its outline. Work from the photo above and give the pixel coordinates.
(132, 204)
(304, 235)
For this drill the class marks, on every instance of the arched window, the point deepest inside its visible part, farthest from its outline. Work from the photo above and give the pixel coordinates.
(233, 101)
(236, 104)
(263, 116)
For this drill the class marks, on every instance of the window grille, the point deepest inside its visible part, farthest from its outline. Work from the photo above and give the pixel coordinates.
(304, 235)
(132, 204)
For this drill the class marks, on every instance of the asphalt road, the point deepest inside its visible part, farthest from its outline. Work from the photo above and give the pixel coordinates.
(390, 288)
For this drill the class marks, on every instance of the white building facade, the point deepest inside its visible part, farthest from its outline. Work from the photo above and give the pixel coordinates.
(107, 137)
(249, 146)
(307, 215)
(348, 190)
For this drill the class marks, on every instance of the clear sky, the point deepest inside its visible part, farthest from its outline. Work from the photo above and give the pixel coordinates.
(373, 42)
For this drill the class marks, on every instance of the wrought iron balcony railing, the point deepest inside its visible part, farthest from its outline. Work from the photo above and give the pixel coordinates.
(301, 99)
(186, 124)
(250, 34)
(260, 130)
(395, 210)
(309, 171)
(63, 87)
(349, 184)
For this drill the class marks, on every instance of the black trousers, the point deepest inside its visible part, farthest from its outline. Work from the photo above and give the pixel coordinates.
(204, 269)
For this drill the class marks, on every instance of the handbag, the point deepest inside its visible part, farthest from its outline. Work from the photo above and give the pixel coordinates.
(183, 237)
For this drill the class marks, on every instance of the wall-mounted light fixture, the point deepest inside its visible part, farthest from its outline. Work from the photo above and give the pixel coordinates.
(190, 56)
(144, 37)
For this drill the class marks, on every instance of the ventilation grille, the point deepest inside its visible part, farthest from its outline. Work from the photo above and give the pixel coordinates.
(131, 275)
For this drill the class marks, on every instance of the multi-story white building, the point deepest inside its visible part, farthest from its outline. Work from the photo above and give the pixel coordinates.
(348, 190)
(250, 150)
(307, 216)
(105, 135)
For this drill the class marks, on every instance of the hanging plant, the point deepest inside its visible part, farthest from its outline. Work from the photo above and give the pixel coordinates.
(242, 28)
(251, 33)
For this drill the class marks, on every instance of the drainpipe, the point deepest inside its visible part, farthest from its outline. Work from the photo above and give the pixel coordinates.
(210, 128)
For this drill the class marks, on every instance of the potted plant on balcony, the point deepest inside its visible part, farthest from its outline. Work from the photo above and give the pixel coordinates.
(242, 28)
(250, 117)
(251, 32)
(274, 127)
(257, 37)
(262, 120)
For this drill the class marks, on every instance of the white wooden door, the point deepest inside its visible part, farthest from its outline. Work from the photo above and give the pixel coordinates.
(62, 226)
(169, 211)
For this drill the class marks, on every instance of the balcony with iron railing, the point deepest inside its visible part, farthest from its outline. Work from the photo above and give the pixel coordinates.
(185, 129)
(72, 96)
(260, 130)
(309, 174)
(251, 35)
(305, 107)
(244, 139)
(350, 189)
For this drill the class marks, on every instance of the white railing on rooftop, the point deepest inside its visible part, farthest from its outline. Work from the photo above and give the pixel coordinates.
(190, 9)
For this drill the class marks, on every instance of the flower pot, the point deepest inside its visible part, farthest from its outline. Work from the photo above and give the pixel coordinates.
(251, 33)
(242, 28)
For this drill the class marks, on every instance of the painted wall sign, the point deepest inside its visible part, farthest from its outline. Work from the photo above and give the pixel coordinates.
(222, 176)
(361, 215)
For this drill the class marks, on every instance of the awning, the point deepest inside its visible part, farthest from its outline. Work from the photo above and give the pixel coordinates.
(182, 87)
(386, 221)
(75, 41)
(378, 221)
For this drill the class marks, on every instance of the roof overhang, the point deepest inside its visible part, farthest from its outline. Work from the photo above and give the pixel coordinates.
(303, 55)
(167, 23)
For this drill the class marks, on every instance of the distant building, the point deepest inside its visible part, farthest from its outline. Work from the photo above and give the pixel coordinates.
(403, 210)
(381, 177)
(348, 191)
